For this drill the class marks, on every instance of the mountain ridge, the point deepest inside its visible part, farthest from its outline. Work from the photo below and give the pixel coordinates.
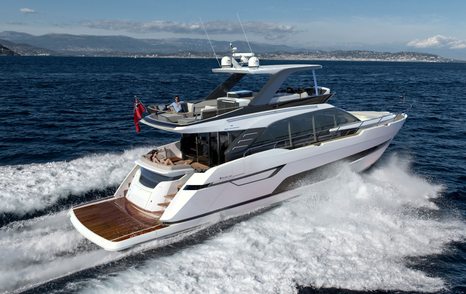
(25, 49)
(124, 46)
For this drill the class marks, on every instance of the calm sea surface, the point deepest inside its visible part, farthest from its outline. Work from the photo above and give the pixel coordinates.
(67, 136)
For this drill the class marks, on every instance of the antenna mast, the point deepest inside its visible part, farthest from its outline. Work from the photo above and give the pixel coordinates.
(208, 38)
(242, 28)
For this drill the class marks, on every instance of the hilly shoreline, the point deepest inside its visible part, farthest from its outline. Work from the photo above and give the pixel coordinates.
(16, 43)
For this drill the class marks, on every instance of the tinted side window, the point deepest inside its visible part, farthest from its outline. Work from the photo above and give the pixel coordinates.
(277, 131)
(301, 125)
(324, 121)
(344, 117)
(299, 130)
(330, 118)
(302, 130)
(241, 142)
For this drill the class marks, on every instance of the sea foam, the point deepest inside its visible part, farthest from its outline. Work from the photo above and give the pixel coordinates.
(353, 231)
(31, 187)
(45, 248)
(41, 249)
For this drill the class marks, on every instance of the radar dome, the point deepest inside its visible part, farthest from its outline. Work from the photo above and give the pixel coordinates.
(253, 62)
(226, 61)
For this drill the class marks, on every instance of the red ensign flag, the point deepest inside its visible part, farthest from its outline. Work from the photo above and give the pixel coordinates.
(139, 109)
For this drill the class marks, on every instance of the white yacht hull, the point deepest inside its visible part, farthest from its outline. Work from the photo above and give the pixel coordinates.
(248, 184)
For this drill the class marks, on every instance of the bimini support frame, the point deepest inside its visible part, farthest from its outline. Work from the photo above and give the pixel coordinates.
(315, 82)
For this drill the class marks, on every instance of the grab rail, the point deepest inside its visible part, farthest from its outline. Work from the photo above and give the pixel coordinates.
(365, 123)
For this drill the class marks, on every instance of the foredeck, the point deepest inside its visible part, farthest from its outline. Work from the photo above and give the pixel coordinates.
(117, 219)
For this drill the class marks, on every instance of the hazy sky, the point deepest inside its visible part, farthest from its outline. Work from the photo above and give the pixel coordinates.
(427, 26)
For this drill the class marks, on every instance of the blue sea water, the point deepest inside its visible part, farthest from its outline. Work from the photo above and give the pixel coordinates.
(67, 136)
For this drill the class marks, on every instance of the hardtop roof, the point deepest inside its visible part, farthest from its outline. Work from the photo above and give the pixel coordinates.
(267, 69)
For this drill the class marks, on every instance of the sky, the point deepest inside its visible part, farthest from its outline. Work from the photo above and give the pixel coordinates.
(425, 26)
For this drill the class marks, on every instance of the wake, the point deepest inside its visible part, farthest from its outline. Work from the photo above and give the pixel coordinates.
(41, 249)
(353, 231)
(37, 187)
(35, 251)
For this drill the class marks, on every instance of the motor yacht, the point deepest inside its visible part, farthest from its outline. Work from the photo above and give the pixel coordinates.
(239, 151)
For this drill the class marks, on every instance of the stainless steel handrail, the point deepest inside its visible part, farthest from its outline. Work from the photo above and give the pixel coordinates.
(365, 124)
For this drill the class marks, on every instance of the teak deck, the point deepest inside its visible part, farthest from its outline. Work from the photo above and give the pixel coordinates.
(117, 219)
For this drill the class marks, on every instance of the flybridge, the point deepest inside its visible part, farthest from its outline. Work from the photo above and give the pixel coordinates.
(225, 101)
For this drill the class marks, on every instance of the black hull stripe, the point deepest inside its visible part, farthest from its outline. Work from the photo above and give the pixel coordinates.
(221, 209)
(198, 187)
(279, 190)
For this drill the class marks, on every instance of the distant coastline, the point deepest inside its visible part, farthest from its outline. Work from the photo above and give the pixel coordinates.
(291, 57)
(394, 57)
(22, 44)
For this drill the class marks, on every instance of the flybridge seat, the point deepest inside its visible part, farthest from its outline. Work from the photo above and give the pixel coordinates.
(206, 109)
